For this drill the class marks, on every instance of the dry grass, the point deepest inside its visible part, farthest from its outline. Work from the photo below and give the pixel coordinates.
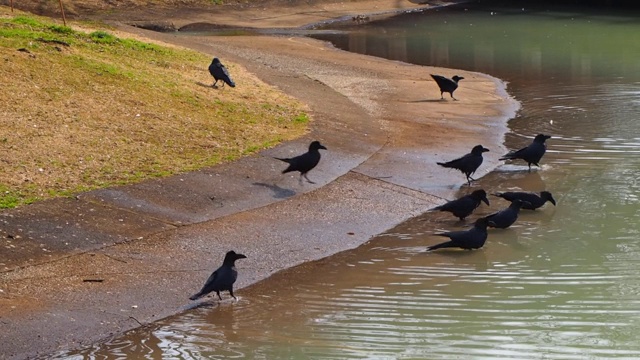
(107, 110)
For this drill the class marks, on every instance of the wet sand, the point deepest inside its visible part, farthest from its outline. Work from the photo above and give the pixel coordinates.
(385, 127)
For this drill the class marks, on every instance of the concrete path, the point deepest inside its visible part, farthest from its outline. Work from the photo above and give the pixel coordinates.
(74, 271)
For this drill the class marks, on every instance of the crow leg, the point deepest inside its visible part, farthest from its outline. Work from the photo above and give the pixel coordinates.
(214, 84)
(311, 182)
(300, 179)
(219, 297)
(441, 95)
(453, 97)
(470, 179)
(233, 296)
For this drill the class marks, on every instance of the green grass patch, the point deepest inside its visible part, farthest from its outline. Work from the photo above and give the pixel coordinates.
(86, 109)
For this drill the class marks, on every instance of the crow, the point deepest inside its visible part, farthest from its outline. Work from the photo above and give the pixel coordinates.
(473, 238)
(447, 85)
(532, 153)
(469, 163)
(223, 278)
(505, 217)
(305, 162)
(531, 201)
(219, 72)
(465, 205)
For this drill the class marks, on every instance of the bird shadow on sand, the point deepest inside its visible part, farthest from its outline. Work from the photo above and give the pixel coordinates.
(209, 86)
(201, 304)
(427, 101)
(278, 192)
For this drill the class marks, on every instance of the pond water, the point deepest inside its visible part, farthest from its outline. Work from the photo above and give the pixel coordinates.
(562, 283)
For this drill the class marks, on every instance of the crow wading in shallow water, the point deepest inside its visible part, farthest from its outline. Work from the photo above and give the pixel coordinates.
(223, 278)
(220, 73)
(531, 201)
(505, 217)
(305, 162)
(447, 85)
(473, 238)
(532, 153)
(467, 164)
(465, 205)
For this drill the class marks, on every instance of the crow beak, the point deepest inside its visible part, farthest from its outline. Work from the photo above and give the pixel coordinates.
(322, 147)
(240, 256)
(485, 149)
(553, 201)
(486, 201)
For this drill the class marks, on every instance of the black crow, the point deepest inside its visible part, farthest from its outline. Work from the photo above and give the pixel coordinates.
(473, 238)
(532, 153)
(465, 205)
(505, 217)
(531, 201)
(305, 162)
(469, 163)
(223, 278)
(447, 85)
(219, 72)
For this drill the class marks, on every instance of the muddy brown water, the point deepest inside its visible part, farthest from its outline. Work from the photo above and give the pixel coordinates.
(562, 283)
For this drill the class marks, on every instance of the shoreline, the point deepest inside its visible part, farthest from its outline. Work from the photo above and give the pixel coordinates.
(372, 132)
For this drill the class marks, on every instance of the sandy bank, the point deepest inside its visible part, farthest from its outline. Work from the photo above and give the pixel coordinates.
(385, 128)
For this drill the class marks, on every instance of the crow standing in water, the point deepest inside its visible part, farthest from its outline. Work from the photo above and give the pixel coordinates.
(469, 163)
(447, 85)
(223, 278)
(220, 73)
(473, 238)
(305, 162)
(505, 217)
(465, 205)
(532, 153)
(531, 201)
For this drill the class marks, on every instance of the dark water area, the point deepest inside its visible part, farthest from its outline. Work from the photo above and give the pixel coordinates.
(561, 283)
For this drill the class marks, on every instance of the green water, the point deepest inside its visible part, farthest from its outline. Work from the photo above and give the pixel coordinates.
(562, 283)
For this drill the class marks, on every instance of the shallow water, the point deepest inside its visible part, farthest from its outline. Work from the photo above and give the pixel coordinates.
(562, 283)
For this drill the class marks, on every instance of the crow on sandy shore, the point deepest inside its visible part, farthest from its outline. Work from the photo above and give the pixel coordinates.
(305, 162)
(469, 163)
(447, 85)
(223, 278)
